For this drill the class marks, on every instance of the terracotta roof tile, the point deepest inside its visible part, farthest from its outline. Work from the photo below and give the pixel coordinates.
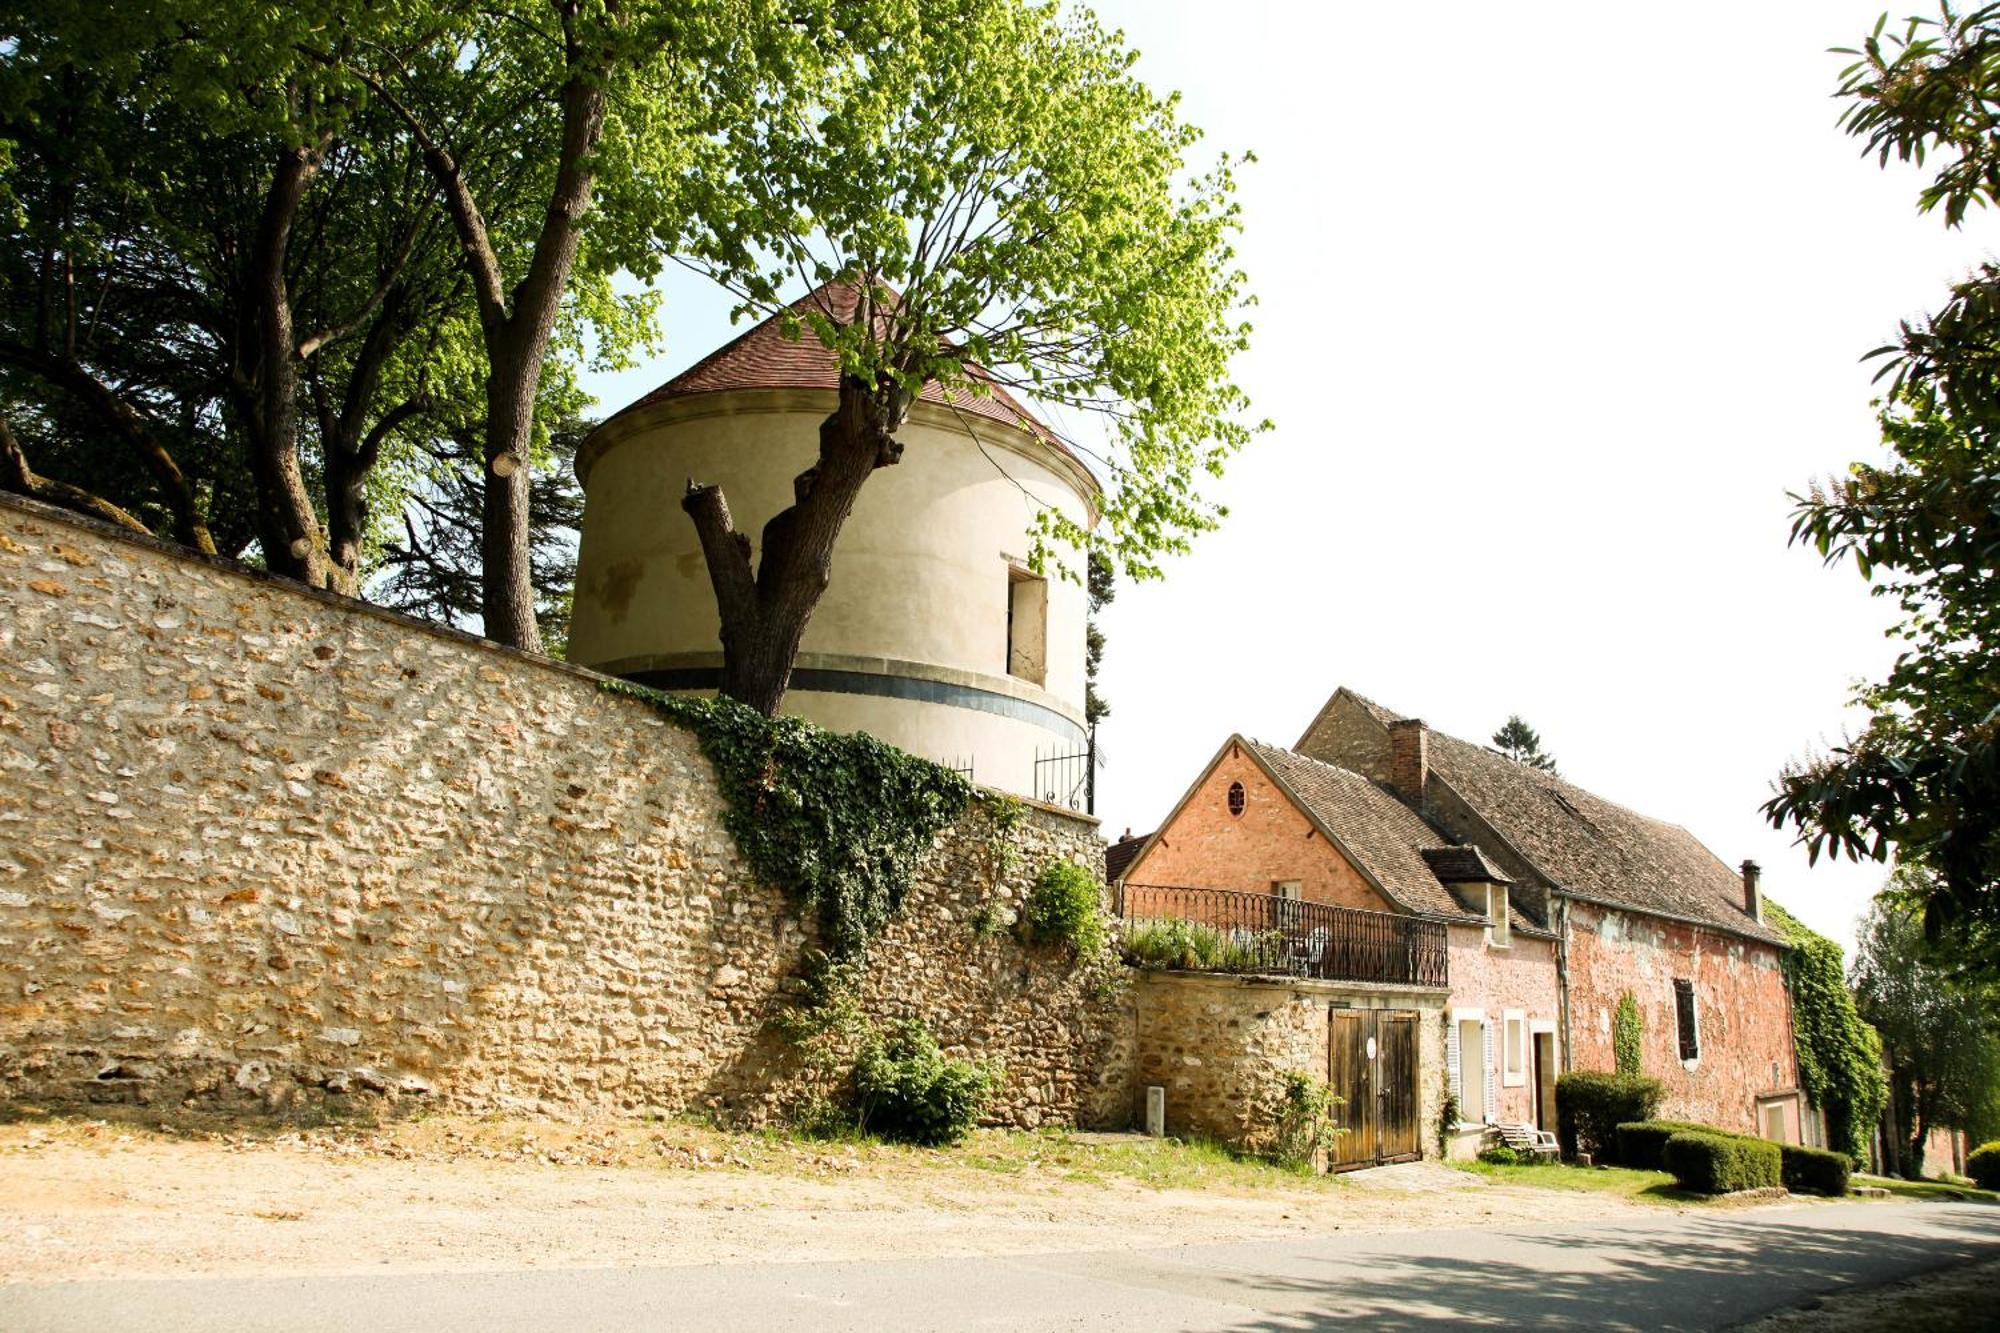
(1590, 847)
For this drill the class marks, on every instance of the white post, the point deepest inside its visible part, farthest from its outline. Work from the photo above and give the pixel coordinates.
(1156, 1112)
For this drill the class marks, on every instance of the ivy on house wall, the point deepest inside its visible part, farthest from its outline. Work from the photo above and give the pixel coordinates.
(1628, 1036)
(1839, 1054)
(837, 821)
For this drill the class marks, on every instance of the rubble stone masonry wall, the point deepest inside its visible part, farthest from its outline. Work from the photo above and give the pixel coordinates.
(263, 845)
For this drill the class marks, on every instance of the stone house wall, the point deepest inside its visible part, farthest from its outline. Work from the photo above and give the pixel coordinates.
(1744, 1013)
(1521, 976)
(1218, 1044)
(1204, 846)
(266, 845)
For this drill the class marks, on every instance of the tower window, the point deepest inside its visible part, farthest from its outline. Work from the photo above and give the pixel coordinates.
(1027, 625)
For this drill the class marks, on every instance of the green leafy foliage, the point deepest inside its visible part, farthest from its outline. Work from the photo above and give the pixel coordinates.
(1305, 1124)
(1628, 1033)
(1447, 1119)
(1839, 1054)
(1066, 904)
(1175, 944)
(838, 821)
(907, 1089)
(1937, 1032)
(1590, 1106)
(1814, 1170)
(1983, 1165)
(1722, 1163)
(1012, 196)
(1502, 1155)
(1921, 781)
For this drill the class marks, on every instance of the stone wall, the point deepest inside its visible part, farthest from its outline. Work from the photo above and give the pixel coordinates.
(1744, 1012)
(1218, 1045)
(261, 844)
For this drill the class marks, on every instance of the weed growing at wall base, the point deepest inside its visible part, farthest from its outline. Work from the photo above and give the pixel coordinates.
(837, 821)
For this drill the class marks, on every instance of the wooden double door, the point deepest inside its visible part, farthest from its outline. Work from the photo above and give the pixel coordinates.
(1371, 1065)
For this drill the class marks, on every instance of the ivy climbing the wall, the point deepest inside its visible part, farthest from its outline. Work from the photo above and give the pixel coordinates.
(1628, 1034)
(1839, 1054)
(837, 821)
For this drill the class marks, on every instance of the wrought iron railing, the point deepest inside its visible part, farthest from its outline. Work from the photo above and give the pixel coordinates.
(1068, 778)
(1220, 930)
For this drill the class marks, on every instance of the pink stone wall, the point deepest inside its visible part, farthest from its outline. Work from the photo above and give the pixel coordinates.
(1745, 1013)
(1522, 976)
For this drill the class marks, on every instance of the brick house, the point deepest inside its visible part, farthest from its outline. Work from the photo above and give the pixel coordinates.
(1554, 902)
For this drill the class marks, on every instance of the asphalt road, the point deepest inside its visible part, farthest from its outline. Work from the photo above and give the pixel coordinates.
(1686, 1271)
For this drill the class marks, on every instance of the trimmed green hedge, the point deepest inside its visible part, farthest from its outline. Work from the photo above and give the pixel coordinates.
(1984, 1165)
(1814, 1170)
(1641, 1143)
(1722, 1163)
(1590, 1106)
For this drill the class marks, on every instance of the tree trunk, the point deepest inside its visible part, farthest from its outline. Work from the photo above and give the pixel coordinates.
(288, 529)
(18, 477)
(764, 616)
(352, 452)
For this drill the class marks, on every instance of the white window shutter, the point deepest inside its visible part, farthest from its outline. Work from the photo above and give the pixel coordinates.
(1486, 1048)
(1451, 1066)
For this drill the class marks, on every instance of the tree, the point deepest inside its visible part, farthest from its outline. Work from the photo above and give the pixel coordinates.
(528, 114)
(1523, 744)
(982, 194)
(1938, 1033)
(1921, 781)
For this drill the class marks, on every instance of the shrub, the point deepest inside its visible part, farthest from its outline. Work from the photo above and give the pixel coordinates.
(1502, 1155)
(1177, 944)
(1305, 1118)
(906, 1088)
(1722, 1163)
(1641, 1143)
(1984, 1165)
(1590, 1106)
(1066, 903)
(1814, 1170)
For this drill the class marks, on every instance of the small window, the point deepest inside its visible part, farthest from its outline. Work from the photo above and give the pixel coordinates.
(1687, 1020)
(1499, 927)
(1514, 1044)
(1235, 798)
(1287, 889)
(1027, 625)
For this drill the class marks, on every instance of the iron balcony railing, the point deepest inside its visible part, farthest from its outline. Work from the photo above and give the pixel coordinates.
(1220, 930)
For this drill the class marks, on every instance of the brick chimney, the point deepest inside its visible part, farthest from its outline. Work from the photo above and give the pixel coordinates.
(1753, 892)
(1409, 758)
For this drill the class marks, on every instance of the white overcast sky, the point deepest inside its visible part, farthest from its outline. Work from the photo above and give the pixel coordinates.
(1557, 302)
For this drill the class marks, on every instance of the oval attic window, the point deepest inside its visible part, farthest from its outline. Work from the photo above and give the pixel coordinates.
(1235, 798)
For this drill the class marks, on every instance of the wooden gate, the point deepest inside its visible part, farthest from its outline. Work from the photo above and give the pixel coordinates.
(1371, 1065)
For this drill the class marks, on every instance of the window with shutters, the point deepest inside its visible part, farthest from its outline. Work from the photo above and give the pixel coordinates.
(1687, 1019)
(1514, 1045)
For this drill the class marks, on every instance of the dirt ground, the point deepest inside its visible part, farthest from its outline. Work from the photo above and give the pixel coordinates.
(88, 1198)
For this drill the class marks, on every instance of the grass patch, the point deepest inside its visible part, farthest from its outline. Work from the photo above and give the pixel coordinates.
(1938, 1191)
(1644, 1186)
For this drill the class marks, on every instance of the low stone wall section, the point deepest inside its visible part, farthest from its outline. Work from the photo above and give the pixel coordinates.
(260, 844)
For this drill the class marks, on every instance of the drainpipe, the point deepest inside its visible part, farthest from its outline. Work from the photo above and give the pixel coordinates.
(1562, 972)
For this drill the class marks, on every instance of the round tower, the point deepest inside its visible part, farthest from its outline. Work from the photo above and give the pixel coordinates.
(933, 634)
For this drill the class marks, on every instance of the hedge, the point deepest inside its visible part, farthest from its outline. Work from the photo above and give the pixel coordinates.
(1814, 1170)
(1722, 1163)
(1984, 1165)
(1590, 1107)
(1641, 1143)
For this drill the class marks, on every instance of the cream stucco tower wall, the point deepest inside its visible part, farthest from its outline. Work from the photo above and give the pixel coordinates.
(931, 634)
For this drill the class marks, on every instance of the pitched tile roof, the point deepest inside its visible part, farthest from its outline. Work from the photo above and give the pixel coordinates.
(1591, 848)
(1463, 865)
(764, 358)
(1381, 833)
(1119, 855)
